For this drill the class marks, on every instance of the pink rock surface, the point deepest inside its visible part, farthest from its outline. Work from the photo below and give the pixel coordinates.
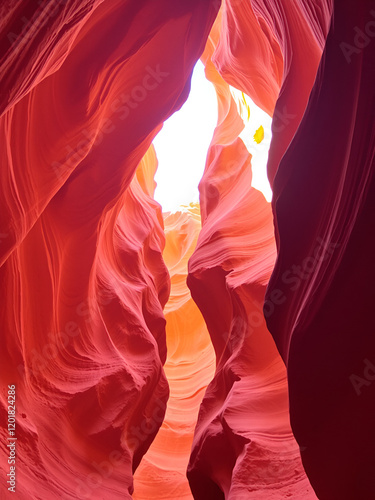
(87, 259)
(83, 279)
(243, 445)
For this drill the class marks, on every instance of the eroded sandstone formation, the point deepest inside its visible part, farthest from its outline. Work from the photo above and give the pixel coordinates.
(189, 367)
(261, 383)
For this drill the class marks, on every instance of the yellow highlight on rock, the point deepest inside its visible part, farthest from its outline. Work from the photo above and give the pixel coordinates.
(259, 135)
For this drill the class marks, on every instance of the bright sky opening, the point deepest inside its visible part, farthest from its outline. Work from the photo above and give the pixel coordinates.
(182, 144)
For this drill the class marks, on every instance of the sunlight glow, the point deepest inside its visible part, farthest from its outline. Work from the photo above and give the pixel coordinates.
(259, 152)
(181, 146)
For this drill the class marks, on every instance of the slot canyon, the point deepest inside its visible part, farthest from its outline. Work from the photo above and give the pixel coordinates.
(223, 351)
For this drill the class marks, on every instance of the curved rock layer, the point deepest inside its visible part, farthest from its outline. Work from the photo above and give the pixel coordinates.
(85, 86)
(243, 445)
(84, 89)
(324, 195)
(271, 51)
(189, 368)
(93, 353)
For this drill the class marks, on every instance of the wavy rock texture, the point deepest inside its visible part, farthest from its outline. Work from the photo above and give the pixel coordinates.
(85, 86)
(324, 328)
(83, 280)
(243, 446)
(189, 368)
(271, 51)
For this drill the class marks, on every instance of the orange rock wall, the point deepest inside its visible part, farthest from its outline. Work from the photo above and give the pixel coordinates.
(189, 367)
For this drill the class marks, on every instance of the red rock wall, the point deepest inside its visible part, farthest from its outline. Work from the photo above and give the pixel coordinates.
(84, 267)
(243, 446)
(324, 207)
(83, 283)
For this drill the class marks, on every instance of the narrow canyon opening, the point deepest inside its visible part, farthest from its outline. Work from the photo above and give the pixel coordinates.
(253, 318)
(181, 149)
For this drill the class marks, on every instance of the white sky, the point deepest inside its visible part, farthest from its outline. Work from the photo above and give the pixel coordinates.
(182, 144)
